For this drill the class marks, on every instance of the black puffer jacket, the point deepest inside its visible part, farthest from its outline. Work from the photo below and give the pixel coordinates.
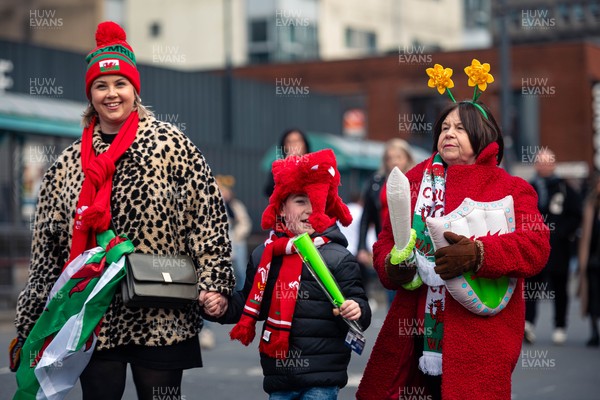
(371, 210)
(317, 354)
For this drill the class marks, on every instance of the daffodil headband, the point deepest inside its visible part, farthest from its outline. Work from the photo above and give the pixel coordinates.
(479, 76)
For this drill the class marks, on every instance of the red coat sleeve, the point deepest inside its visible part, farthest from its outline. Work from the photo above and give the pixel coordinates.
(524, 252)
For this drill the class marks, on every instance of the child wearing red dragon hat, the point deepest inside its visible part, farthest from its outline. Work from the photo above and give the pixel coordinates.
(302, 347)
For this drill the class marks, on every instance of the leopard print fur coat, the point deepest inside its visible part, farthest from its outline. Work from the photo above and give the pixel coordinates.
(166, 201)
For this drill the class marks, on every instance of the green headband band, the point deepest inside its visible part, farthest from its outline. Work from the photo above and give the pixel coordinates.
(479, 108)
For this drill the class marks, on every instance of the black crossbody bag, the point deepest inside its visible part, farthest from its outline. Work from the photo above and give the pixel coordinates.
(159, 281)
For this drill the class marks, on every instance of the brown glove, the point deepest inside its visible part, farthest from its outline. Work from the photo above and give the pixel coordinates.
(14, 353)
(399, 274)
(460, 256)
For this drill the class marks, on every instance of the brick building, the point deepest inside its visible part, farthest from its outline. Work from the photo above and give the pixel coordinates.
(552, 89)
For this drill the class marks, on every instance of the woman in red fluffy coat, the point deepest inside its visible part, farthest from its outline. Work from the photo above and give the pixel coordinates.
(479, 353)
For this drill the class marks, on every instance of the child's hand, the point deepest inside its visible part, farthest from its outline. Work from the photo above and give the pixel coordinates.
(215, 304)
(349, 310)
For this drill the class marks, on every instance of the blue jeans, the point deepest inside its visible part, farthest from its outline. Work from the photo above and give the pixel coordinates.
(313, 393)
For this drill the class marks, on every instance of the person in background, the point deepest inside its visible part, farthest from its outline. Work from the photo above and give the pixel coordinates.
(351, 232)
(560, 206)
(293, 142)
(589, 261)
(149, 182)
(240, 226)
(397, 153)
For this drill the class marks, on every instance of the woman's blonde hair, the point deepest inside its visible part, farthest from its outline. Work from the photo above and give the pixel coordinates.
(394, 145)
(143, 111)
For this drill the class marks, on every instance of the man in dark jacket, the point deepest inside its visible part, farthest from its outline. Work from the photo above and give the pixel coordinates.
(560, 206)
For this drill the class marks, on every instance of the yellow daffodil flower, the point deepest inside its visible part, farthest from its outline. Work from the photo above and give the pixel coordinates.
(439, 77)
(479, 74)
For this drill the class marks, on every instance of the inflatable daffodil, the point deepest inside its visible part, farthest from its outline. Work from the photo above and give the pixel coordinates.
(439, 77)
(479, 76)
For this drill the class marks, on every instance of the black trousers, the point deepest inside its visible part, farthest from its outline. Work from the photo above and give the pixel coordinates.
(156, 370)
(105, 380)
(549, 285)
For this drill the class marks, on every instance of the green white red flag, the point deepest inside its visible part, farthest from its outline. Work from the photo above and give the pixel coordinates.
(63, 339)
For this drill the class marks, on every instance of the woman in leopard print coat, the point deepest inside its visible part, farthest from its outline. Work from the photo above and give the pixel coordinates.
(165, 200)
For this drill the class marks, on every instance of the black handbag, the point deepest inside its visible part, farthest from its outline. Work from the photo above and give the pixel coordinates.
(160, 281)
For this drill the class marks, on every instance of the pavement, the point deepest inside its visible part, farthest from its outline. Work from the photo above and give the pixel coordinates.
(232, 371)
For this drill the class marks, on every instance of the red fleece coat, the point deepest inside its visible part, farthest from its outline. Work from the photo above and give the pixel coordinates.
(479, 353)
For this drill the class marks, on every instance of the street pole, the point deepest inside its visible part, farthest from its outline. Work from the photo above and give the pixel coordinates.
(228, 78)
(505, 88)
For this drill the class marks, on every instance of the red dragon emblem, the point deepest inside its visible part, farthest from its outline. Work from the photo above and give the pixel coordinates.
(438, 315)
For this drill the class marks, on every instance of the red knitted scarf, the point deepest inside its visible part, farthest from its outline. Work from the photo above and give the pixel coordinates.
(275, 340)
(93, 207)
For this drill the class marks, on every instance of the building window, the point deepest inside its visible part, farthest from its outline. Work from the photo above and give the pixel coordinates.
(358, 39)
(526, 125)
(420, 121)
(578, 14)
(563, 12)
(258, 31)
(259, 58)
(477, 13)
(515, 20)
(114, 10)
(594, 8)
(155, 30)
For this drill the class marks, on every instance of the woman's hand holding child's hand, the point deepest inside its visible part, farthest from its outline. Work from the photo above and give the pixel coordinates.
(214, 303)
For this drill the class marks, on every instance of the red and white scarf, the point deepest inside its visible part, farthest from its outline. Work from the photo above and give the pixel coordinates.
(275, 340)
(431, 202)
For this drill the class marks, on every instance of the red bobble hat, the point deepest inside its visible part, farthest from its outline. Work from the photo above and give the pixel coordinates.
(316, 175)
(112, 56)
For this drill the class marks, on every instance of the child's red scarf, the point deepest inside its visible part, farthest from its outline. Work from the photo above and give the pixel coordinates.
(275, 340)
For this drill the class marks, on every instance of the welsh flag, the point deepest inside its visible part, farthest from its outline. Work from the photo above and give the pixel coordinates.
(63, 339)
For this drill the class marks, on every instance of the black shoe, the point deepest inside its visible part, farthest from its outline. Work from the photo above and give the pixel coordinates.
(593, 342)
